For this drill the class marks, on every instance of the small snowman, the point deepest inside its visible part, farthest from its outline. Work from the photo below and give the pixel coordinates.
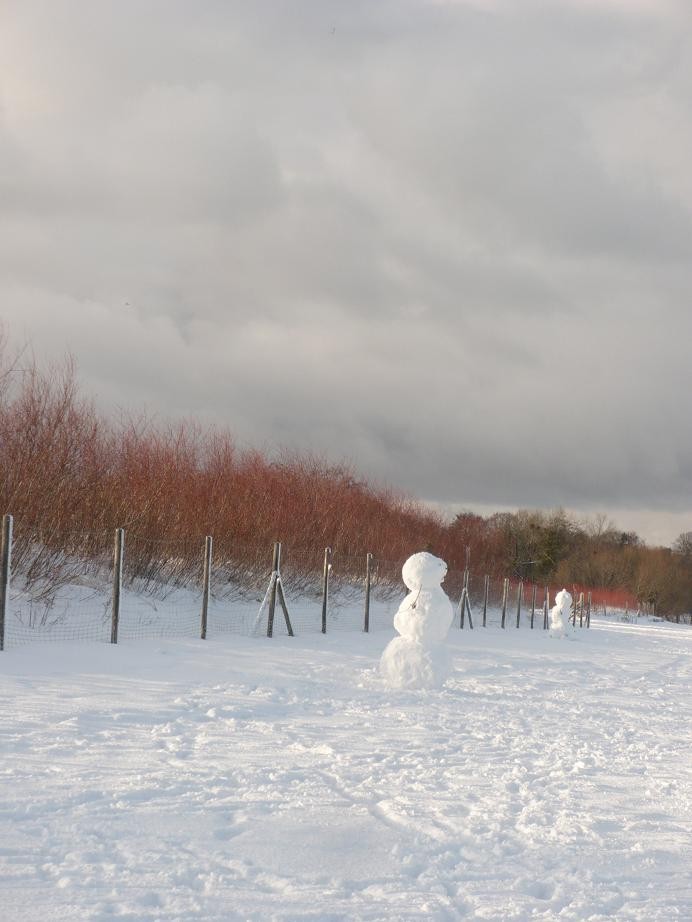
(560, 614)
(418, 658)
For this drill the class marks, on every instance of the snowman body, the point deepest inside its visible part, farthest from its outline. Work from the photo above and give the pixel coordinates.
(559, 614)
(418, 658)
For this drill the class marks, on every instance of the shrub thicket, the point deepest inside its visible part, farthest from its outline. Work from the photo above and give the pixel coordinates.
(70, 476)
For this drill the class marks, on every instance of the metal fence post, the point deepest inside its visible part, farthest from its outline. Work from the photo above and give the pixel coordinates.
(5, 568)
(208, 547)
(118, 553)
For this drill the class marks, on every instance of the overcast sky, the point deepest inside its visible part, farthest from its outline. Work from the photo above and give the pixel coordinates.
(450, 242)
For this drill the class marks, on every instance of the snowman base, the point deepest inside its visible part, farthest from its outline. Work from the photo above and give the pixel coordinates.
(557, 628)
(408, 664)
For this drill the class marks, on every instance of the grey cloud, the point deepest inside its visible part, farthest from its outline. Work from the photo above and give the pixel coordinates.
(447, 241)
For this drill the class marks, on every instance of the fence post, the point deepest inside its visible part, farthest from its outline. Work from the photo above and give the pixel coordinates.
(465, 606)
(325, 586)
(505, 593)
(581, 609)
(533, 604)
(520, 594)
(208, 545)
(276, 563)
(118, 554)
(284, 606)
(368, 577)
(5, 568)
(546, 606)
(588, 610)
(486, 593)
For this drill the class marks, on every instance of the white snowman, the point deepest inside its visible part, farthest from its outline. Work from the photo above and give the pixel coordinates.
(418, 658)
(560, 614)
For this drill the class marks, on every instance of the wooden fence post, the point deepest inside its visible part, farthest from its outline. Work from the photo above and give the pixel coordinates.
(276, 563)
(368, 578)
(284, 606)
(546, 606)
(505, 593)
(486, 593)
(208, 543)
(325, 586)
(588, 610)
(5, 569)
(581, 609)
(118, 554)
(464, 604)
(520, 594)
(533, 604)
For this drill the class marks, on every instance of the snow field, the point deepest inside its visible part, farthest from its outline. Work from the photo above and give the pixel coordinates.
(244, 778)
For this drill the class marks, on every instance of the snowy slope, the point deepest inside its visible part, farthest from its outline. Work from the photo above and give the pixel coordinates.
(243, 778)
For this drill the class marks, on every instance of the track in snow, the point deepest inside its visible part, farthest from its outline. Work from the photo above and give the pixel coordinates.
(254, 779)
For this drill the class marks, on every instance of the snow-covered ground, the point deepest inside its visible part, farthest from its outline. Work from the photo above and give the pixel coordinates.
(245, 778)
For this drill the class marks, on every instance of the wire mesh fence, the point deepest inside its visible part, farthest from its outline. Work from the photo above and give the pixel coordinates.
(60, 587)
(74, 587)
(161, 588)
(67, 593)
(319, 593)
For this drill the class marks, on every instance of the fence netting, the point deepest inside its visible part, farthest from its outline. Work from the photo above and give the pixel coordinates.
(161, 592)
(62, 589)
(240, 595)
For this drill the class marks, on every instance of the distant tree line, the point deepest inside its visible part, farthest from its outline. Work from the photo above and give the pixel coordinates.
(556, 548)
(70, 476)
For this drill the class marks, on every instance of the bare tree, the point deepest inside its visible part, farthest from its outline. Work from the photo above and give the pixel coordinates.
(683, 544)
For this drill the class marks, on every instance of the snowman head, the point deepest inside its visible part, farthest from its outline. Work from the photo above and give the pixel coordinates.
(423, 571)
(563, 600)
